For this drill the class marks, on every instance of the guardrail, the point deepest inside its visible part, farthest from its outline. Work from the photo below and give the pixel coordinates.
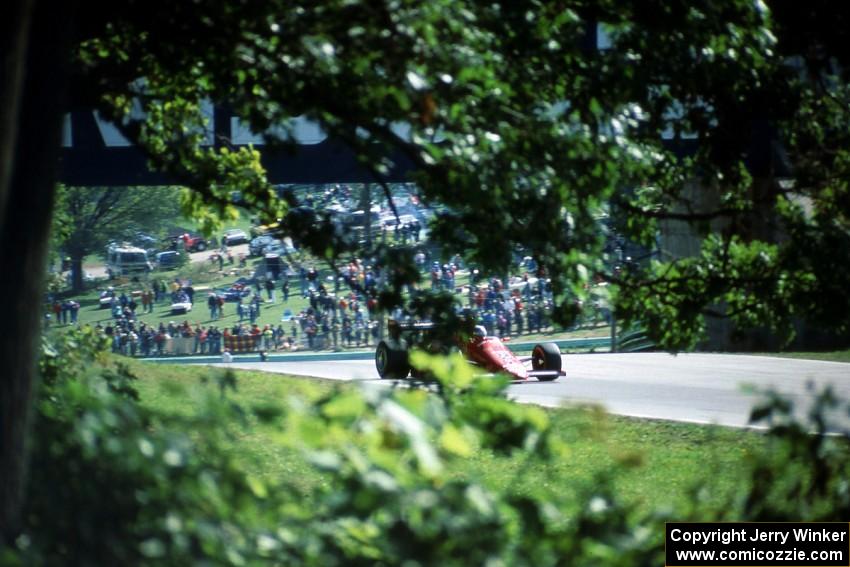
(589, 342)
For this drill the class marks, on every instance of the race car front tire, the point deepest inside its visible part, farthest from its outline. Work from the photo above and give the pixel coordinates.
(391, 359)
(546, 356)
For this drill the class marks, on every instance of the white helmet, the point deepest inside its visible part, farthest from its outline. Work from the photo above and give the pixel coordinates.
(480, 331)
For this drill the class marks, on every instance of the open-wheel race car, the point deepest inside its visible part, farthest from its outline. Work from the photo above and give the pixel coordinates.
(488, 353)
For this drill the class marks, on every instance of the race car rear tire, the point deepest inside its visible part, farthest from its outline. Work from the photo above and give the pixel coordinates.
(546, 356)
(391, 359)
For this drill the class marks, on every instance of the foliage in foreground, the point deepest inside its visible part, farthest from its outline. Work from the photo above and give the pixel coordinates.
(116, 483)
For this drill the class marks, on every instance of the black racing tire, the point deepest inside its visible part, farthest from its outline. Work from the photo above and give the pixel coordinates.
(201, 246)
(391, 359)
(546, 356)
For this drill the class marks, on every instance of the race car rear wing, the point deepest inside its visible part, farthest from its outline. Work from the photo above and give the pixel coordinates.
(411, 325)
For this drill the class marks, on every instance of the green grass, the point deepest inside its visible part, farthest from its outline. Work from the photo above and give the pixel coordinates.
(661, 461)
(91, 313)
(831, 356)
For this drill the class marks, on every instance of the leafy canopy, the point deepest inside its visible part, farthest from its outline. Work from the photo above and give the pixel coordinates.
(528, 133)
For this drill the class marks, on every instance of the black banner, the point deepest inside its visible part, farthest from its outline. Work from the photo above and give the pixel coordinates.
(758, 544)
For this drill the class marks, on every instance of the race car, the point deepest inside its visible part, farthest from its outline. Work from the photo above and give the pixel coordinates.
(486, 352)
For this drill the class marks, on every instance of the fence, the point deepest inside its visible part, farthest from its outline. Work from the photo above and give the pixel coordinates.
(242, 343)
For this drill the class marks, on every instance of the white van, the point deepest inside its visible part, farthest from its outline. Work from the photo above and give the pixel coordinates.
(124, 259)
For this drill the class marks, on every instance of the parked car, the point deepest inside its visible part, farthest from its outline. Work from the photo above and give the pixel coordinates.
(258, 245)
(234, 236)
(272, 229)
(145, 241)
(237, 290)
(282, 247)
(168, 260)
(187, 241)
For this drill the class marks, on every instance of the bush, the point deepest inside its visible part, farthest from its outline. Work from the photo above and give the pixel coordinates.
(115, 484)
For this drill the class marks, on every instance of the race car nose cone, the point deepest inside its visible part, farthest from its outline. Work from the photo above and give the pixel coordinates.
(517, 370)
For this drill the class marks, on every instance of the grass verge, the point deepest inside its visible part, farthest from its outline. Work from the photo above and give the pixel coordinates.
(659, 463)
(829, 356)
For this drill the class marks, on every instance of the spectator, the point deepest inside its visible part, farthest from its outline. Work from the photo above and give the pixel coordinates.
(270, 289)
(335, 328)
(212, 303)
(202, 335)
(268, 336)
(74, 308)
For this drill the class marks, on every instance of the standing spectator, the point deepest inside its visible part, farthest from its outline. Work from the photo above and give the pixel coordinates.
(159, 340)
(214, 340)
(311, 333)
(358, 332)
(196, 344)
(74, 308)
(285, 288)
(270, 289)
(212, 303)
(335, 328)
(268, 335)
(202, 336)
(133, 339)
(302, 273)
(279, 336)
(220, 300)
(346, 331)
(325, 331)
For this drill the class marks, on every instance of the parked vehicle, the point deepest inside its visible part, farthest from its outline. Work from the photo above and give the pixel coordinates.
(237, 290)
(187, 241)
(273, 229)
(168, 260)
(234, 236)
(258, 245)
(123, 259)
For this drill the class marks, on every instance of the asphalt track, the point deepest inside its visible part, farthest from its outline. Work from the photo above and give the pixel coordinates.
(700, 388)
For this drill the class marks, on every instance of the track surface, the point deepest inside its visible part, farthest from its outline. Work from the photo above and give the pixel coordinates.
(702, 388)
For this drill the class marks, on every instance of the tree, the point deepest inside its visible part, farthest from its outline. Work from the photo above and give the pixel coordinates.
(89, 218)
(539, 132)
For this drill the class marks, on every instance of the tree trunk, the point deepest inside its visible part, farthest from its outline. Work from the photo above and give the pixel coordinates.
(14, 37)
(77, 273)
(24, 235)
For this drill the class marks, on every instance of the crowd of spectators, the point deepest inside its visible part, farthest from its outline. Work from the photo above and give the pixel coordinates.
(341, 311)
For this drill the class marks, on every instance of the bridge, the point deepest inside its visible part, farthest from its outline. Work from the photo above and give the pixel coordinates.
(95, 153)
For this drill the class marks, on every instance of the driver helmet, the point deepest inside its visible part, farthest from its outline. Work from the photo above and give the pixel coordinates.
(480, 331)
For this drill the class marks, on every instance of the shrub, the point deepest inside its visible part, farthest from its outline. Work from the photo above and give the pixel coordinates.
(113, 483)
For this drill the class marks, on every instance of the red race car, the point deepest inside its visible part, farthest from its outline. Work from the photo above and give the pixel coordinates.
(489, 353)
